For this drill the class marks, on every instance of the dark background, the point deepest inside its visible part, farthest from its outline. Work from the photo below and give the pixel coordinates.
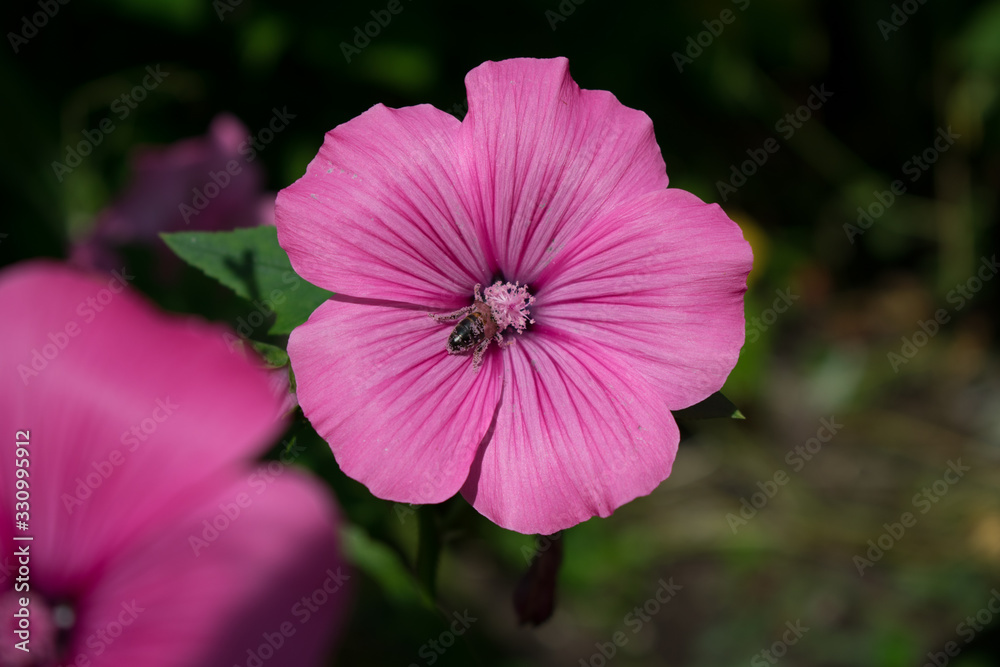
(827, 357)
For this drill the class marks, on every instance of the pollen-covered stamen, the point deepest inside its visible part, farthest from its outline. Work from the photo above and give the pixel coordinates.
(509, 305)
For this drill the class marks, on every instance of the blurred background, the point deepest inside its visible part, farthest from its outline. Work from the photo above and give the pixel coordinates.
(851, 519)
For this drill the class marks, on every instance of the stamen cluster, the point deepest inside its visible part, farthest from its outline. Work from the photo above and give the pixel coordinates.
(509, 305)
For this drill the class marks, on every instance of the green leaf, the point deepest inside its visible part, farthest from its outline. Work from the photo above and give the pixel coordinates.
(715, 406)
(251, 263)
(385, 566)
(273, 356)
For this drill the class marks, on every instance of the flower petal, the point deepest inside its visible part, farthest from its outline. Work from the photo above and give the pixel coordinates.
(200, 183)
(402, 416)
(377, 214)
(662, 282)
(543, 157)
(128, 410)
(578, 434)
(228, 578)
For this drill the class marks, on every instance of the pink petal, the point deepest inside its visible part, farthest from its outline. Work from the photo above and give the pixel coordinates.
(578, 434)
(107, 362)
(402, 416)
(228, 577)
(377, 214)
(660, 281)
(543, 157)
(171, 189)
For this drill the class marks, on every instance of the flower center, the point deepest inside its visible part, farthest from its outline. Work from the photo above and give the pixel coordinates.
(509, 305)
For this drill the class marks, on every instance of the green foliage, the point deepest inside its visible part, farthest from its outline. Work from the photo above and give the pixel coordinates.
(383, 565)
(251, 263)
(715, 406)
(272, 355)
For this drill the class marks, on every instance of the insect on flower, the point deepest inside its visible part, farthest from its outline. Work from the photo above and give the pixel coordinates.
(480, 323)
(624, 297)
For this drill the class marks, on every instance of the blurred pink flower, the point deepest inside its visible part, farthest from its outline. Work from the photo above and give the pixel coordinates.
(204, 183)
(633, 304)
(156, 542)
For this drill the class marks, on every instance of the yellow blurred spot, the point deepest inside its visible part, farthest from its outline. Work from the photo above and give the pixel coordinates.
(967, 106)
(757, 239)
(985, 537)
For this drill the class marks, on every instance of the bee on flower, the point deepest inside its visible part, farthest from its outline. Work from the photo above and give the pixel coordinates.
(623, 299)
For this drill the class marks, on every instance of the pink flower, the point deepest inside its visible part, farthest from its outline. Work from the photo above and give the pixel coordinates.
(155, 541)
(636, 301)
(198, 184)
